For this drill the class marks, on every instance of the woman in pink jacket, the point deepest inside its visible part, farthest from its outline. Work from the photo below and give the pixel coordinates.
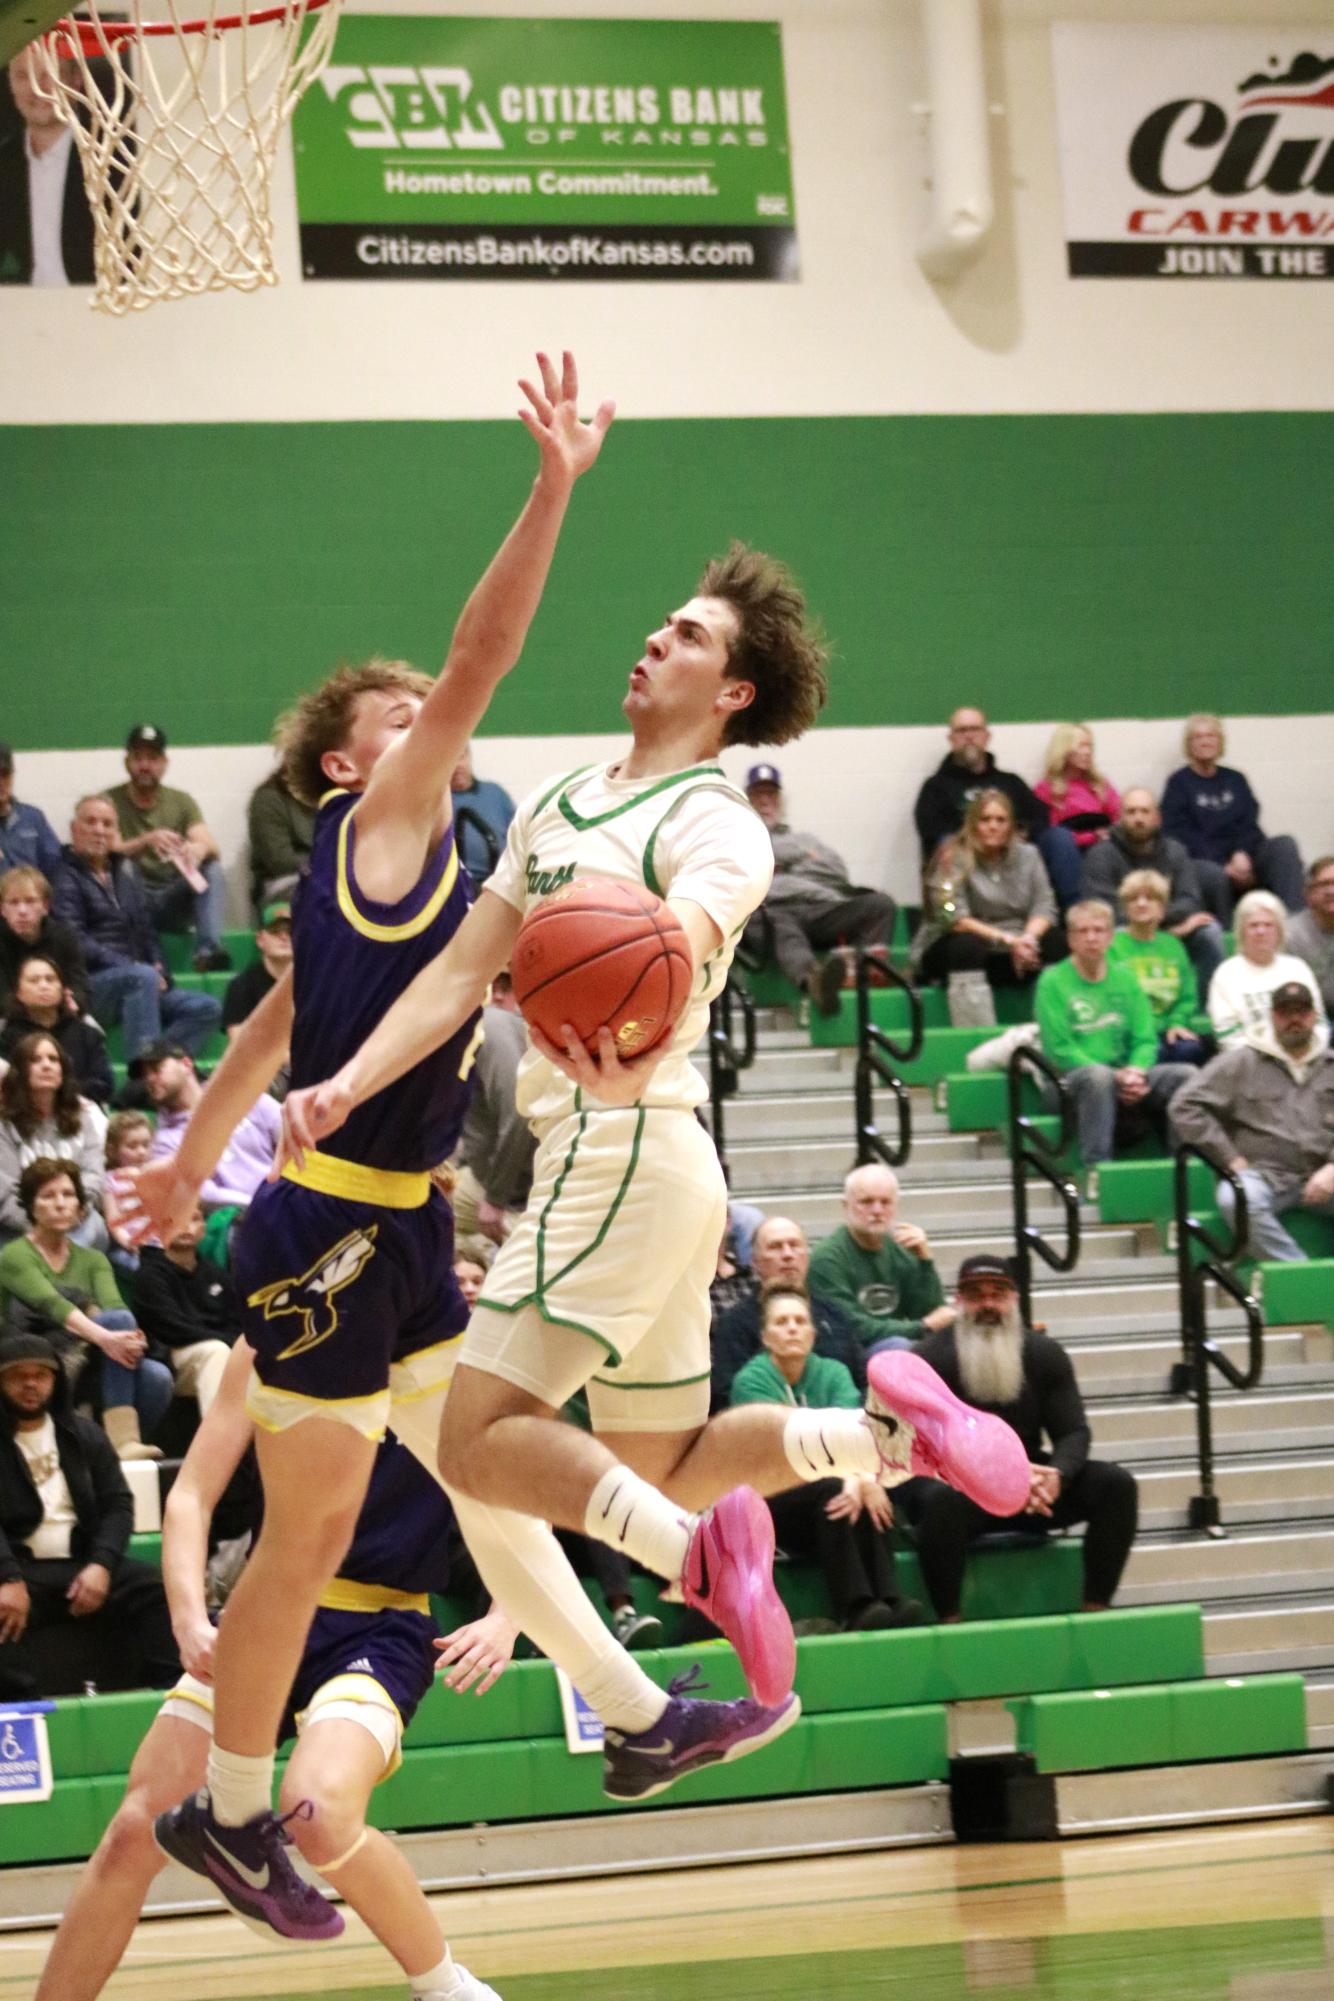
(1076, 794)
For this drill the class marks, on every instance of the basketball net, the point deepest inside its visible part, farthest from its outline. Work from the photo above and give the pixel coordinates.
(177, 123)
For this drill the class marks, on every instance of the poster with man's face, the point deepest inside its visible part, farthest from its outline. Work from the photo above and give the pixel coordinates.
(46, 225)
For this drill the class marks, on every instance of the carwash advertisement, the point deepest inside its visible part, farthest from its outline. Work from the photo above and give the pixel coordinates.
(1196, 152)
(459, 147)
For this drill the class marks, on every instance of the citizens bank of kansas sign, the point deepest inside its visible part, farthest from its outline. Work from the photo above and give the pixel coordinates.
(1196, 152)
(454, 147)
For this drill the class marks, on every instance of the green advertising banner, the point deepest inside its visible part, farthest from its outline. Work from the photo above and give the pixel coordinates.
(445, 146)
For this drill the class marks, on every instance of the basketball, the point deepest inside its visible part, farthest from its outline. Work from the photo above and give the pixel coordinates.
(599, 952)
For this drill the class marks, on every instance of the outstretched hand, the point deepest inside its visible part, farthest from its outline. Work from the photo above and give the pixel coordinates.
(309, 1115)
(156, 1200)
(568, 446)
(478, 1653)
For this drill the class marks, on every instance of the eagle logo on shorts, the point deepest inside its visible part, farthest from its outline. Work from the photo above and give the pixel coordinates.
(313, 1296)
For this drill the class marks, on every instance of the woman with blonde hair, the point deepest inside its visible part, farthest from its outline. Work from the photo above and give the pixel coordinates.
(1242, 988)
(1213, 812)
(991, 913)
(1160, 964)
(1072, 788)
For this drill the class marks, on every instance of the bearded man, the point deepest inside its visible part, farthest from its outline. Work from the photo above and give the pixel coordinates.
(990, 1360)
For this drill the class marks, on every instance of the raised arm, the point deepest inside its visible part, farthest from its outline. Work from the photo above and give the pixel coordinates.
(427, 1013)
(403, 801)
(157, 1199)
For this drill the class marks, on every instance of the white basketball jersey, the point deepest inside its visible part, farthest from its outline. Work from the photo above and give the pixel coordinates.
(691, 836)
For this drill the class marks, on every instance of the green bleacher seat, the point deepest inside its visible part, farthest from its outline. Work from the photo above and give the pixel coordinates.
(1103, 1729)
(178, 949)
(979, 1100)
(1141, 1191)
(1294, 1294)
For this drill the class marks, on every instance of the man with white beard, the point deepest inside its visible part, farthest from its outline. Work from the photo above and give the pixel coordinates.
(992, 1362)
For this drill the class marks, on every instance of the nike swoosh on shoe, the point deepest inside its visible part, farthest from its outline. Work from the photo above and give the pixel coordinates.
(258, 1879)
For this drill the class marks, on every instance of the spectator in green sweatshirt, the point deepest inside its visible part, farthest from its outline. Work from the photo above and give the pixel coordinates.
(1158, 960)
(1097, 1027)
(879, 1271)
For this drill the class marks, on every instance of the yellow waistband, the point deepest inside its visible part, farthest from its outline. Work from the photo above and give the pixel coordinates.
(344, 1594)
(387, 1189)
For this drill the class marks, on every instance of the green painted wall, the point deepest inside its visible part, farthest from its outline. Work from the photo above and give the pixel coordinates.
(1105, 565)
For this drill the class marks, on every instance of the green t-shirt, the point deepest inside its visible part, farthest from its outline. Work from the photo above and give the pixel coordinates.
(881, 1292)
(1163, 969)
(822, 1384)
(174, 810)
(1095, 1021)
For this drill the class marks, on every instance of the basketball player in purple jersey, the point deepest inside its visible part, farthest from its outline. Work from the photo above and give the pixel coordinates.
(345, 1265)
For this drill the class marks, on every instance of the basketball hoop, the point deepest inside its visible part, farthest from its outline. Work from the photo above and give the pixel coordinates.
(177, 125)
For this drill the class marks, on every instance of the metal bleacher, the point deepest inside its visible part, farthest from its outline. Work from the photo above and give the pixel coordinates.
(1265, 1582)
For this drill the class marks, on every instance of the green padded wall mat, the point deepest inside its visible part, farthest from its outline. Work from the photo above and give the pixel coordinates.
(1104, 1729)
(346, 539)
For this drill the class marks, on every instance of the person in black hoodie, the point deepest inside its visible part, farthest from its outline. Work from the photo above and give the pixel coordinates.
(36, 1003)
(969, 768)
(27, 926)
(65, 1519)
(188, 1307)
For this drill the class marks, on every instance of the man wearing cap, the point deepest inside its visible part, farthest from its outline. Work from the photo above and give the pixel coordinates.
(247, 990)
(98, 893)
(1264, 1108)
(65, 1519)
(811, 905)
(990, 1360)
(26, 837)
(162, 831)
(168, 1071)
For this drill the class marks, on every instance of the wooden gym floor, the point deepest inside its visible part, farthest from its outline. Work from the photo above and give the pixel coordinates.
(1243, 1914)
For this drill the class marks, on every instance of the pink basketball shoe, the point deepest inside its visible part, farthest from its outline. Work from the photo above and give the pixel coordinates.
(729, 1576)
(920, 1426)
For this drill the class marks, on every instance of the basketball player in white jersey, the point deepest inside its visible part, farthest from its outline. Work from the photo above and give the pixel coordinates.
(604, 1282)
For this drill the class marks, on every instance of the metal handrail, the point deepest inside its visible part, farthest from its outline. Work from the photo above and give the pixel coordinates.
(1030, 1148)
(1199, 1353)
(877, 1053)
(726, 1061)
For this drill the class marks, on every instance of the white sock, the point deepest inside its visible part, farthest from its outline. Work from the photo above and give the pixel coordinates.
(526, 1570)
(441, 1979)
(830, 1445)
(629, 1515)
(239, 1787)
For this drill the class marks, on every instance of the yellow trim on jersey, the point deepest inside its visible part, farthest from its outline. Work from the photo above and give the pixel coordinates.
(334, 792)
(326, 1174)
(406, 1371)
(345, 1594)
(201, 1697)
(272, 1409)
(412, 927)
(350, 1688)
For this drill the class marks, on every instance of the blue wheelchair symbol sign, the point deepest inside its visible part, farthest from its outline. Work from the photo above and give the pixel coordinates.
(25, 1757)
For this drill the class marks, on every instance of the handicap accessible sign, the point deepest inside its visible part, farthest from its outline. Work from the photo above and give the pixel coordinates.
(25, 1757)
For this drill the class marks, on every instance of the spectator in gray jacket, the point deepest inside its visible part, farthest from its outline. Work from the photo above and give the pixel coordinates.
(811, 905)
(1138, 841)
(1311, 934)
(495, 1155)
(991, 914)
(1264, 1109)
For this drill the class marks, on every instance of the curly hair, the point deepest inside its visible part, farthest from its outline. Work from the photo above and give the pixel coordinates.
(39, 1173)
(776, 646)
(16, 1101)
(320, 721)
